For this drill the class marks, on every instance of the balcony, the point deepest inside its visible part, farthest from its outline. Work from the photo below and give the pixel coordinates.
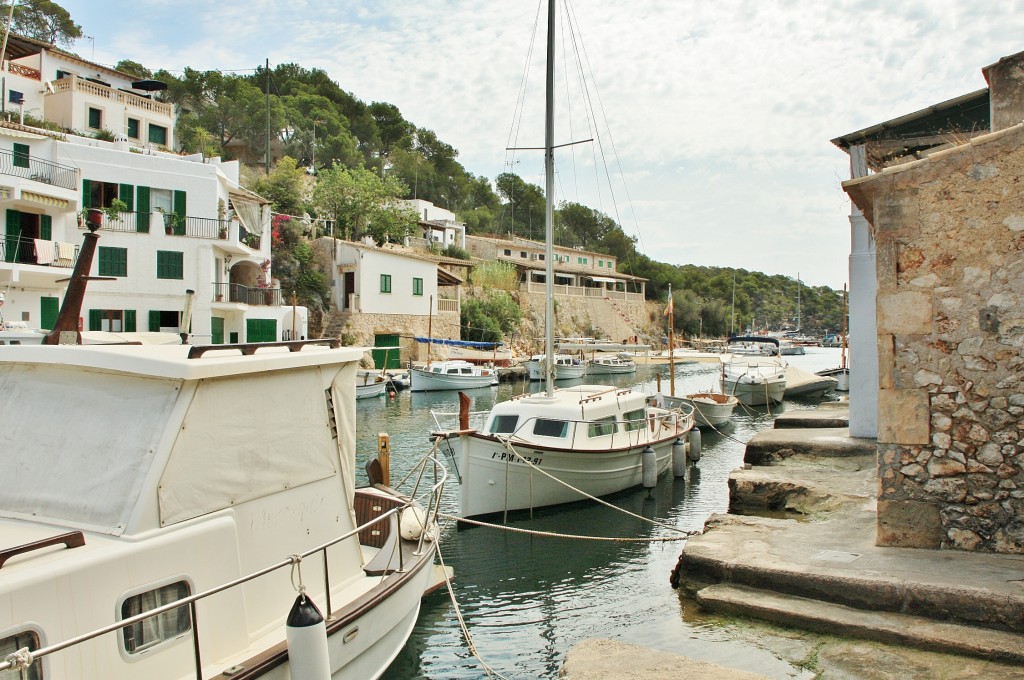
(24, 250)
(447, 305)
(21, 165)
(246, 295)
(73, 83)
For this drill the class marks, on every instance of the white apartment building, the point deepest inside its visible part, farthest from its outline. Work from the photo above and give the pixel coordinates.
(186, 224)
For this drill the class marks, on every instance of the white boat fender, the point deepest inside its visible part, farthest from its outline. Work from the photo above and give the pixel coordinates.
(412, 522)
(306, 633)
(679, 458)
(694, 452)
(649, 468)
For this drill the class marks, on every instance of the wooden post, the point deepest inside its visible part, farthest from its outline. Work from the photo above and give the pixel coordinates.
(384, 456)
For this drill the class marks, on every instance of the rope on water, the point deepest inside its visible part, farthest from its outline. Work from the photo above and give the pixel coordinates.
(491, 673)
(554, 534)
(512, 450)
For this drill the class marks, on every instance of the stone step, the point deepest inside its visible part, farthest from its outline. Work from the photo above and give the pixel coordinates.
(884, 627)
(811, 418)
(767, 445)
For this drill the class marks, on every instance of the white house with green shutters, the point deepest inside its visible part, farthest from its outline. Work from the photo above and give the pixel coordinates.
(187, 225)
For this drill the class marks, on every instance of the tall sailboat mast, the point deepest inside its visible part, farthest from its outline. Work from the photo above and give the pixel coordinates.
(549, 210)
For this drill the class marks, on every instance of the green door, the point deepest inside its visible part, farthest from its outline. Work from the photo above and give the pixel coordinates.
(390, 357)
(48, 309)
(260, 330)
(217, 330)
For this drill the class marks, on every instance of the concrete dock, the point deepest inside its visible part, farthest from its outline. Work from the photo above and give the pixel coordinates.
(798, 549)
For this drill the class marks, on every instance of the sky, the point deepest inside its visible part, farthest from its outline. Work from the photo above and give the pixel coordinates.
(714, 118)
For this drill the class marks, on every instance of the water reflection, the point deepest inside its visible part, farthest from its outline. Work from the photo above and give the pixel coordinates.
(527, 599)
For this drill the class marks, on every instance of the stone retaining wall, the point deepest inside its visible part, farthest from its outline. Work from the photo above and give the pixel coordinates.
(949, 231)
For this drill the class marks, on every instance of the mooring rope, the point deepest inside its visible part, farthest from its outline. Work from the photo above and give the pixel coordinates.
(554, 534)
(462, 622)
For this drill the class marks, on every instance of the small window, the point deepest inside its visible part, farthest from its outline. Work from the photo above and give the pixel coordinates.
(522, 254)
(600, 263)
(634, 420)
(550, 428)
(170, 264)
(63, 74)
(150, 632)
(158, 134)
(112, 320)
(20, 155)
(95, 118)
(602, 427)
(541, 256)
(11, 644)
(133, 128)
(102, 194)
(113, 261)
(417, 286)
(504, 424)
(508, 253)
(385, 283)
(15, 97)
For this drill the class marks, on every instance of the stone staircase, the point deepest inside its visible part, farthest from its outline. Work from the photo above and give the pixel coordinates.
(817, 567)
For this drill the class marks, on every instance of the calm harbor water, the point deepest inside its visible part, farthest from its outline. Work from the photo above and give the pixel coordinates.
(528, 599)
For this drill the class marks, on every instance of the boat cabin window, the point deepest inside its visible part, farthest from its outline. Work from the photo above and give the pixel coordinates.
(11, 644)
(453, 371)
(436, 369)
(504, 424)
(150, 632)
(634, 420)
(544, 427)
(602, 427)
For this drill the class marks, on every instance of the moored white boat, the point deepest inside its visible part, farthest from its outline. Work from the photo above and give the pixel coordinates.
(806, 385)
(539, 450)
(567, 367)
(710, 409)
(451, 375)
(196, 501)
(610, 365)
(757, 377)
(370, 387)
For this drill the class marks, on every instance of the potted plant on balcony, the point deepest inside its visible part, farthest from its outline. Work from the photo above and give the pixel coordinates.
(222, 232)
(114, 210)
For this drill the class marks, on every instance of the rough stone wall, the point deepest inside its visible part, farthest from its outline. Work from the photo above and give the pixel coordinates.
(950, 241)
(1006, 84)
(615, 320)
(360, 329)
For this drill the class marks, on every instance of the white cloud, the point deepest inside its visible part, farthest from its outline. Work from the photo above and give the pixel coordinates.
(721, 113)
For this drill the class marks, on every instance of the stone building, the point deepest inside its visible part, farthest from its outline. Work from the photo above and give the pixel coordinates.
(948, 233)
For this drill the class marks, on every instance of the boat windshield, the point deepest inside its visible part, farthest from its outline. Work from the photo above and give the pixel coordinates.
(545, 427)
(634, 420)
(602, 427)
(504, 424)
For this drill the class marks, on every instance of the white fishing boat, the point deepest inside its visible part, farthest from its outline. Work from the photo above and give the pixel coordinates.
(564, 444)
(710, 409)
(165, 496)
(610, 365)
(540, 450)
(756, 377)
(451, 375)
(567, 367)
(803, 384)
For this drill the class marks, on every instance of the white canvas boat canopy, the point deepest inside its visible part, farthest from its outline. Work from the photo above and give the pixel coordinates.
(96, 437)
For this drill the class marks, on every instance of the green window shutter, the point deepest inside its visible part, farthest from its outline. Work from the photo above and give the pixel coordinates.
(48, 309)
(112, 261)
(417, 286)
(133, 128)
(126, 192)
(142, 206)
(154, 320)
(129, 321)
(46, 227)
(385, 283)
(20, 155)
(86, 193)
(180, 208)
(95, 319)
(170, 264)
(13, 231)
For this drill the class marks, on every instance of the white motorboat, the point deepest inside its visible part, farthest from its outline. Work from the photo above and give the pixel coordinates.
(539, 450)
(710, 409)
(165, 495)
(451, 375)
(757, 376)
(841, 375)
(567, 367)
(610, 365)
